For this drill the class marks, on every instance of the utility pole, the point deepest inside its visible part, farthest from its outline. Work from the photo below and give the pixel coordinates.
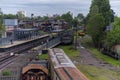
(75, 24)
(76, 38)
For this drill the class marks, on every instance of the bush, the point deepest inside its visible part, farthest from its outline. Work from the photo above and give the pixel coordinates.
(6, 73)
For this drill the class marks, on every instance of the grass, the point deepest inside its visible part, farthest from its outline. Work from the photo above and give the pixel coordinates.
(43, 56)
(6, 73)
(106, 58)
(94, 73)
(87, 42)
(68, 49)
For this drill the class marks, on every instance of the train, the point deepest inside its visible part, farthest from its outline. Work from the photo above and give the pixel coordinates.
(62, 68)
(67, 37)
(113, 51)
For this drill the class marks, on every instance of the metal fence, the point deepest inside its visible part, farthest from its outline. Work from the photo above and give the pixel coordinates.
(53, 42)
(6, 41)
(11, 39)
(8, 78)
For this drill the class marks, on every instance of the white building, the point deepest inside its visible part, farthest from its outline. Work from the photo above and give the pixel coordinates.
(21, 14)
(10, 25)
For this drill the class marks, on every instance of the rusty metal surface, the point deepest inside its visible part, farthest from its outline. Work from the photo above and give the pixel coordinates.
(64, 67)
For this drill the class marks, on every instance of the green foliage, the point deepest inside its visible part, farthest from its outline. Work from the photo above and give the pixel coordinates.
(2, 28)
(98, 18)
(81, 19)
(113, 37)
(43, 56)
(67, 17)
(95, 28)
(106, 58)
(80, 16)
(9, 16)
(103, 9)
(94, 10)
(6, 73)
(72, 53)
(117, 21)
(21, 16)
(75, 22)
(87, 42)
(45, 17)
(96, 73)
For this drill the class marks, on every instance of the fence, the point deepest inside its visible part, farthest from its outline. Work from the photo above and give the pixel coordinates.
(8, 78)
(6, 41)
(53, 42)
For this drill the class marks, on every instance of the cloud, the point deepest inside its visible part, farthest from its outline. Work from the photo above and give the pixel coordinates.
(43, 7)
(44, 1)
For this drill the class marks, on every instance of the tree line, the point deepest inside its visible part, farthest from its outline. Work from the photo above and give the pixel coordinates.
(99, 18)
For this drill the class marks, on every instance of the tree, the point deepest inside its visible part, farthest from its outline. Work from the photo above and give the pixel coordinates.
(45, 17)
(98, 18)
(81, 19)
(2, 29)
(103, 9)
(67, 17)
(75, 22)
(112, 15)
(113, 37)
(95, 29)
(20, 16)
(9, 16)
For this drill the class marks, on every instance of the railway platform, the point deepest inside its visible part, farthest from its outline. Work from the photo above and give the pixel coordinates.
(18, 43)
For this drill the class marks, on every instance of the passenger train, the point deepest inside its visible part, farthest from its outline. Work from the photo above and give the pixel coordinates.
(67, 37)
(62, 68)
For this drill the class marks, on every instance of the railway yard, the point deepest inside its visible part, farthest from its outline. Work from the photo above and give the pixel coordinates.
(94, 64)
(60, 40)
(27, 65)
(15, 65)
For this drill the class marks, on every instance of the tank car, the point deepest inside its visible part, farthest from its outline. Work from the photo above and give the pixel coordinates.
(113, 51)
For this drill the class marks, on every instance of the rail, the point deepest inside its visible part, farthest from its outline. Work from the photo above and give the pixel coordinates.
(53, 42)
(8, 78)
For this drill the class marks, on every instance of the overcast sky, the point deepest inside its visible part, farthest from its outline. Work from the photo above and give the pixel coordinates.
(44, 7)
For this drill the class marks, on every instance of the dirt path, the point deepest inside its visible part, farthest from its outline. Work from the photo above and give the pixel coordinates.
(87, 58)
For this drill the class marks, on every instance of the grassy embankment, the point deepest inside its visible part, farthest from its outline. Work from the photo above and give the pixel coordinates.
(87, 42)
(92, 72)
(95, 73)
(72, 53)
(43, 56)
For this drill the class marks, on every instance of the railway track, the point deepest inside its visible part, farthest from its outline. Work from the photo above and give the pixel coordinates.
(6, 61)
(7, 58)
